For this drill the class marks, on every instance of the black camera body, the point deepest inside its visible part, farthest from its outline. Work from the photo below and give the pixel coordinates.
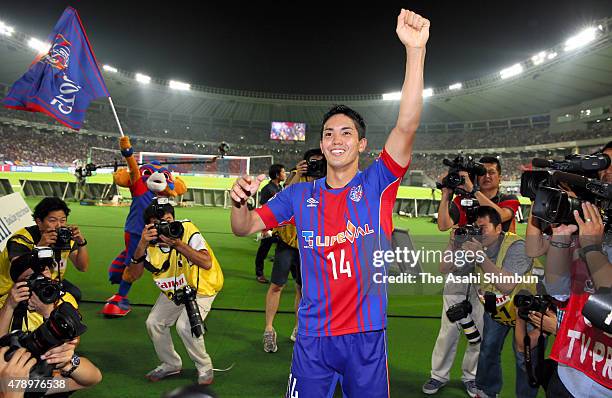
(64, 237)
(461, 163)
(466, 233)
(525, 302)
(317, 168)
(460, 313)
(64, 324)
(554, 205)
(47, 290)
(187, 296)
(172, 230)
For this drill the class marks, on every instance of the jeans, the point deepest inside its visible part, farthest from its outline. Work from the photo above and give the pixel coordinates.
(489, 373)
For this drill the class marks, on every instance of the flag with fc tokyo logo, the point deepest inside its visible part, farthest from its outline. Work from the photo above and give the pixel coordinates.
(63, 81)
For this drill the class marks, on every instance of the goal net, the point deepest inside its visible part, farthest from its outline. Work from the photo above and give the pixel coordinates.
(227, 166)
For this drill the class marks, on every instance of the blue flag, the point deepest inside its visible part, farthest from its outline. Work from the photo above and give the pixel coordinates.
(64, 81)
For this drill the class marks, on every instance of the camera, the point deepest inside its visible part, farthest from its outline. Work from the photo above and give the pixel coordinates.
(598, 309)
(460, 163)
(47, 290)
(173, 230)
(317, 168)
(64, 324)
(460, 313)
(223, 148)
(466, 233)
(525, 302)
(187, 296)
(64, 236)
(553, 204)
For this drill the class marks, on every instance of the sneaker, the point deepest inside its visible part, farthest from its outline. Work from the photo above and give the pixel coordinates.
(206, 378)
(269, 341)
(161, 372)
(470, 388)
(262, 279)
(482, 394)
(116, 306)
(293, 334)
(432, 386)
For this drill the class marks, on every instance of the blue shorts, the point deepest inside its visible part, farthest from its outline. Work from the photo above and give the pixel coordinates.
(358, 361)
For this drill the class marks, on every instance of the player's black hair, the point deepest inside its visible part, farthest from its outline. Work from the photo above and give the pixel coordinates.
(351, 113)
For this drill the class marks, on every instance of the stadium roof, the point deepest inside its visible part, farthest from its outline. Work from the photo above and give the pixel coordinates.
(562, 78)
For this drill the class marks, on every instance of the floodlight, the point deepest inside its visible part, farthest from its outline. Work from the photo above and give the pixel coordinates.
(38, 45)
(428, 92)
(395, 96)
(513, 70)
(538, 58)
(179, 85)
(109, 68)
(5, 29)
(143, 78)
(581, 39)
(456, 86)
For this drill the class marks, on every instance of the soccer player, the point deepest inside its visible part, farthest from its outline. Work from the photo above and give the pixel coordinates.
(341, 220)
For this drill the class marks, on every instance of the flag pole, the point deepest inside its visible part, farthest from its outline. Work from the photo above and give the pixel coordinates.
(110, 100)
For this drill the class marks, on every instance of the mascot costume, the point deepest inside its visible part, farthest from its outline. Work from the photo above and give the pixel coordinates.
(145, 183)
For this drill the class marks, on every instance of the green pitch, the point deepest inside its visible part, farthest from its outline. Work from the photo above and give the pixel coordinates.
(124, 353)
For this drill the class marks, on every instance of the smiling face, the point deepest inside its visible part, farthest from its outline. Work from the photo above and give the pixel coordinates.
(340, 142)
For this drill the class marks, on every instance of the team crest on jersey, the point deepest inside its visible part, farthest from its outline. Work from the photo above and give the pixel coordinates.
(356, 193)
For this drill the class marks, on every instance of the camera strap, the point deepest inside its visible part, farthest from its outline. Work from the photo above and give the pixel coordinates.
(20, 315)
(536, 376)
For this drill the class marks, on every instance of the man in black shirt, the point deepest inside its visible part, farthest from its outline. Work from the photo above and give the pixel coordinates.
(277, 175)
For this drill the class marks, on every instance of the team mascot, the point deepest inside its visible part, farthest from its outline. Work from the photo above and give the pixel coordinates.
(145, 183)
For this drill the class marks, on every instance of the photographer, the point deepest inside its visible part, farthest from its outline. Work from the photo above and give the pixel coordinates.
(456, 296)
(503, 269)
(187, 272)
(574, 274)
(277, 176)
(451, 211)
(77, 372)
(287, 256)
(51, 230)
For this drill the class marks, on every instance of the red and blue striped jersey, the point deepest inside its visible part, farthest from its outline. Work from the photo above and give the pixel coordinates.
(338, 232)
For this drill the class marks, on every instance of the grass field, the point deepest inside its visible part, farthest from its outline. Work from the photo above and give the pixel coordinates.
(122, 350)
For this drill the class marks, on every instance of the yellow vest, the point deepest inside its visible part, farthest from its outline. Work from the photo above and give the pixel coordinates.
(23, 237)
(34, 318)
(506, 311)
(288, 233)
(181, 272)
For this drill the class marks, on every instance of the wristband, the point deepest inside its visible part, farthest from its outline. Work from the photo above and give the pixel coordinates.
(590, 248)
(560, 245)
(127, 152)
(138, 260)
(82, 244)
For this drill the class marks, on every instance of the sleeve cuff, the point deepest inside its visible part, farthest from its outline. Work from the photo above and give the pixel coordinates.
(267, 216)
(392, 165)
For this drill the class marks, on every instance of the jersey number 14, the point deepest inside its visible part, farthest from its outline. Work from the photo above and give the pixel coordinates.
(345, 266)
